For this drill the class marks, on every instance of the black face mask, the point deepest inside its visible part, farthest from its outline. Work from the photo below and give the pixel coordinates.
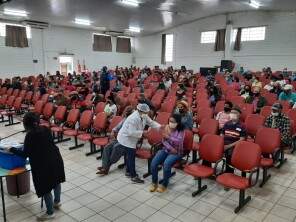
(227, 109)
(257, 94)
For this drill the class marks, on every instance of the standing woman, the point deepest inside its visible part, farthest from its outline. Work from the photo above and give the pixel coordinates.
(171, 152)
(46, 163)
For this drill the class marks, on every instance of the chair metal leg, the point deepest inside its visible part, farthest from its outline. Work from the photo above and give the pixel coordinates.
(93, 150)
(76, 144)
(265, 177)
(10, 121)
(60, 138)
(149, 169)
(194, 156)
(200, 188)
(242, 201)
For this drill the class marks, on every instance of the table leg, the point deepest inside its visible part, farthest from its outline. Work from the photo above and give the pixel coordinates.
(3, 202)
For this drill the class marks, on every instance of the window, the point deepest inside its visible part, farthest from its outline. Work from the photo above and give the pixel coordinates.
(169, 46)
(3, 29)
(102, 43)
(208, 37)
(251, 34)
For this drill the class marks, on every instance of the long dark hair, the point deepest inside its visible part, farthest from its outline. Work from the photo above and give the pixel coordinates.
(178, 118)
(31, 121)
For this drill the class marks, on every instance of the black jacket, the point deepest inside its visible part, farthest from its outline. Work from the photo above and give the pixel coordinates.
(45, 159)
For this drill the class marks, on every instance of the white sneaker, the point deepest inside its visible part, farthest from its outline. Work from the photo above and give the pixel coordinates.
(45, 217)
(57, 205)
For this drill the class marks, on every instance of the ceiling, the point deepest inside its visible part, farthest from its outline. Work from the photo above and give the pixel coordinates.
(151, 15)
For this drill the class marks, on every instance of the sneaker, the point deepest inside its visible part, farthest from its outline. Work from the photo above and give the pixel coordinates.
(99, 168)
(57, 205)
(103, 172)
(127, 174)
(137, 180)
(153, 187)
(45, 217)
(161, 189)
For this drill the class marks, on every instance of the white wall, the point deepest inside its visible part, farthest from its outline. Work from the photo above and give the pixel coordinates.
(49, 43)
(277, 51)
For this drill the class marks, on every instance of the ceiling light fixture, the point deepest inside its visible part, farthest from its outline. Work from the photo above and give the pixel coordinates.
(254, 4)
(134, 29)
(82, 21)
(20, 13)
(133, 3)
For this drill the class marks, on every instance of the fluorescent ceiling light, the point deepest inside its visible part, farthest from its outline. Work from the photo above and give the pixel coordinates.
(82, 21)
(21, 13)
(134, 29)
(254, 4)
(134, 3)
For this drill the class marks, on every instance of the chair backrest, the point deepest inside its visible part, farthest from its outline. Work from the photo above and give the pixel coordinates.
(38, 107)
(154, 136)
(100, 107)
(292, 114)
(265, 111)
(9, 91)
(204, 113)
(28, 96)
(268, 139)
(72, 117)
(247, 109)
(163, 118)
(17, 105)
(270, 98)
(188, 141)
(219, 106)
(23, 93)
(114, 122)
(246, 156)
(3, 91)
(253, 123)
(16, 92)
(85, 119)
(45, 97)
(211, 148)
(100, 121)
(48, 110)
(208, 126)
(36, 97)
(10, 101)
(60, 113)
(3, 99)
(89, 97)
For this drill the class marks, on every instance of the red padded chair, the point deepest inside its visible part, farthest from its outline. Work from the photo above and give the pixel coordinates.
(211, 149)
(167, 107)
(103, 141)
(15, 92)
(253, 123)
(58, 117)
(16, 109)
(265, 111)
(23, 94)
(3, 91)
(7, 107)
(3, 101)
(246, 158)
(163, 118)
(270, 98)
(9, 92)
(204, 113)
(47, 112)
(38, 107)
(269, 140)
(84, 125)
(246, 109)
(72, 119)
(100, 107)
(36, 97)
(27, 100)
(237, 100)
(45, 97)
(207, 126)
(219, 107)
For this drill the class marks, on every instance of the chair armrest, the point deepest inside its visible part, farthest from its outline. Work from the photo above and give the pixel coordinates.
(223, 166)
(255, 170)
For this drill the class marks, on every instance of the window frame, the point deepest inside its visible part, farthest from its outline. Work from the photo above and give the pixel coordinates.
(3, 29)
(209, 40)
(169, 50)
(245, 39)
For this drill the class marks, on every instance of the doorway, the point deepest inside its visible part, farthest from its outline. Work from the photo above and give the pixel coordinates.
(66, 64)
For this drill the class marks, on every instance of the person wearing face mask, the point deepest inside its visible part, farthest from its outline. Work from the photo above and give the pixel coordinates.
(288, 95)
(256, 82)
(233, 132)
(131, 132)
(46, 163)
(186, 115)
(224, 116)
(280, 121)
(270, 85)
(171, 152)
(110, 108)
(256, 99)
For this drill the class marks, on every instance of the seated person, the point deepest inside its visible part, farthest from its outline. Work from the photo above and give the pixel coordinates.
(270, 86)
(256, 82)
(171, 152)
(112, 152)
(279, 120)
(224, 116)
(256, 99)
(110, 107)
(236, 84)
(233, 132)
(245, 92)
(288, 95)
(186, 115)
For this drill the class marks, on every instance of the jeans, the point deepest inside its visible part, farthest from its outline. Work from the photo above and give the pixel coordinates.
(168, 160)
(49, 200)
(130, 161)
(112, 153)
(228, 155)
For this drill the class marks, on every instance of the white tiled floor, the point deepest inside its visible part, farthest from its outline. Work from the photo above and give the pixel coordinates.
(91, 198)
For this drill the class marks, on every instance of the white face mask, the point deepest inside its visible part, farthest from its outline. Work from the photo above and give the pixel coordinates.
(144, 115)
(274, 114)
(233, 116)
(173, 125)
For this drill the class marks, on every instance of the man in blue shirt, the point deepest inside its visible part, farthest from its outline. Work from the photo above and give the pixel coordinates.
(287, 94)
